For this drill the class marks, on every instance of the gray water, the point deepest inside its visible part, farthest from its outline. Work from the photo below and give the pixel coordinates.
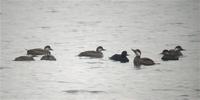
(71, 27)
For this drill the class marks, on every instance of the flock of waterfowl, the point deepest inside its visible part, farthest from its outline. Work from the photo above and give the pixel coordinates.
(172, 54)
(35, 52)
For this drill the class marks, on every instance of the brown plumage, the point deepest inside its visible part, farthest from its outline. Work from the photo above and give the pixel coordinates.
(39, 51)
(138, 61)
(24, 58)
(93, 54)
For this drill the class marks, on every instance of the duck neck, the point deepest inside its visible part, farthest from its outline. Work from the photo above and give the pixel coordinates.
(123, 56)
(138, 56)
(99, 51)
(137, 61)
(48, 53)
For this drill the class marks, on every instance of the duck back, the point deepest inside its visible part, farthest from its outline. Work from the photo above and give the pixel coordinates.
(93, 54)
(147, 61)
(118, 57)
(167, 57)
(37, 51)
(48, 57)
(24, 58)
(175, 53)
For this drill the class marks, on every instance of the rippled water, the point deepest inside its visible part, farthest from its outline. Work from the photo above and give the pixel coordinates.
(74, 26)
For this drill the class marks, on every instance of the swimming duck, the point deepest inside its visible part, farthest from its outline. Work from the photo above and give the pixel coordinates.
(177, 51)
(24, 58)
(168, 56)
(48, 56)
(93, 54)
(174, 52)
(39, 51)
(120, 57)
(141, 61)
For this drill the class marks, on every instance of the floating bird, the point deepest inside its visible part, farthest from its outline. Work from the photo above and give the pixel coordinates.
(120, 57)
(24, 58)
(169, 56)
(39, 51)
(138, 61)
(48, 56)
(93, 54)
(176, 52)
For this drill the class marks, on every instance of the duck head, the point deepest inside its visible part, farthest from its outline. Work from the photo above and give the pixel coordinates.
(165, 52)
(100, 48)
(47, 53)
(47, 48)
(124, 54)
(137, 52)
(179, 48)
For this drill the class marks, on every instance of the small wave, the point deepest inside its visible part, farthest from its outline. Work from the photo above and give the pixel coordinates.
(1, 68)
(95, 67)
(64, 82)
(83, 91)
(184, 95)
(176, 23)
(165, 70)
(101, 41)
(53, 11)
(94, 62)
(194, 41)
(197, 89)
(44, 27)
(165, 90)
(89, 22)
(191, 35)
(69, 82)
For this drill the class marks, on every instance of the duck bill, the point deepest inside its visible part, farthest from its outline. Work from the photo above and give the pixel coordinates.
(103, 49)
(50, 49)
(133, 50)
(136, 52)
(183, 50)
(128, 55)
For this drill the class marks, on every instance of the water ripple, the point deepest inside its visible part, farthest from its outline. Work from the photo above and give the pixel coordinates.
(83, 91)
(1, 68)
(94, 62)
(165, 90)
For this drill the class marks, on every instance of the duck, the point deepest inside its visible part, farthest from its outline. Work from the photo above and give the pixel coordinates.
(138, 61)
(48, 56)
(93, 54)
(39, 51)
(176, 52)
(168, 56)
(120, 57)
(24, 58)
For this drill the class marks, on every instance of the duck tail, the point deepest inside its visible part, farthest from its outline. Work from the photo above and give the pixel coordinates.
(157, 63)
(27, 51)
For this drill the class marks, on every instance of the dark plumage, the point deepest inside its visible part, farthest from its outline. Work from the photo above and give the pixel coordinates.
(48, 56)
(120, 57)
(169, 56)
(24, 58)
(146, 61)
(39, 51)
(172, 54)
(138, 61)
(93, 54)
